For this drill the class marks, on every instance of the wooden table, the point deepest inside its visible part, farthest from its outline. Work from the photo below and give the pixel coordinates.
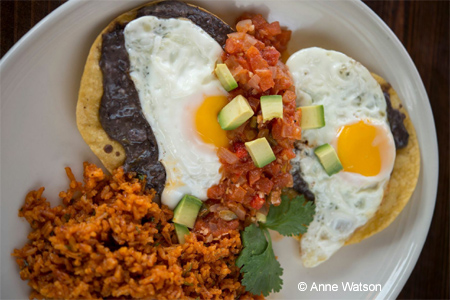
(423, 28)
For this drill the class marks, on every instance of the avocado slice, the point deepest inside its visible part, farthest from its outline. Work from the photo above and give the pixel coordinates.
(260, 152)
(312, 117)
(225, 77)
(235, 113)
(271, 107)
(187, 210)
(181, 231)
(329, 159)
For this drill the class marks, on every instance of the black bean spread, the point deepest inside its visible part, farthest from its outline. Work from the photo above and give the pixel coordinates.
(121, 115)
(120, 110)
(395, 118)
(217, 29)
(301, 186)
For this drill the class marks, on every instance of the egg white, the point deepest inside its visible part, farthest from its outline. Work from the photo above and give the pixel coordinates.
(172, 63)
(349, 94)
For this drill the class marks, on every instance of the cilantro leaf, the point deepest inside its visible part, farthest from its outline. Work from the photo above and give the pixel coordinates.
(291, 217)
(254, 243)
(262, 272)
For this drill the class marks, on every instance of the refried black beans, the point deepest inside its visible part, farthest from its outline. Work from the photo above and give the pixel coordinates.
(395, 118)
(121, 114)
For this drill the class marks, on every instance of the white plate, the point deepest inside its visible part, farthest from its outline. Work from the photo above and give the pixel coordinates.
(40, 77)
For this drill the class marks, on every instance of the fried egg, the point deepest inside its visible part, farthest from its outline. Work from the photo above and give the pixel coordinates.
(358, 129)
(172, 64)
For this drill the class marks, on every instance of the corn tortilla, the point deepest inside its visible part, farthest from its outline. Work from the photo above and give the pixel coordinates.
(89, 99)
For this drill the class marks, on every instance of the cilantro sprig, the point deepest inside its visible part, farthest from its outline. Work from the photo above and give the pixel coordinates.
(261, 270)
(291, 217)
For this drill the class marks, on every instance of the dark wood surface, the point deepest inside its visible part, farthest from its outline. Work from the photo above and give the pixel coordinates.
(423, 28)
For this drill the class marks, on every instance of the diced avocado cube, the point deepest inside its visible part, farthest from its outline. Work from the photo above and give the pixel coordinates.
(312, 117)
(181, 231)
(271, 107)
(187, 210)
(260, 152)
(225, 77)
(329, 159)
(235, 113)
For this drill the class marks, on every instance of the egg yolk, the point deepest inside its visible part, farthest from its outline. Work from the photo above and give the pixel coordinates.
(206, 121)
(360, 147)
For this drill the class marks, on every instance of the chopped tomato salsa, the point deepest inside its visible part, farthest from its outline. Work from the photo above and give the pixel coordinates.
(252, 54)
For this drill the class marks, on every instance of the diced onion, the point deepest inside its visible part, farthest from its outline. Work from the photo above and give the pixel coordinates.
(239, 210)
(215, 208)
(227, 215)
(236, 35)
(227, 156)
(245, 26)
(254, 82)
